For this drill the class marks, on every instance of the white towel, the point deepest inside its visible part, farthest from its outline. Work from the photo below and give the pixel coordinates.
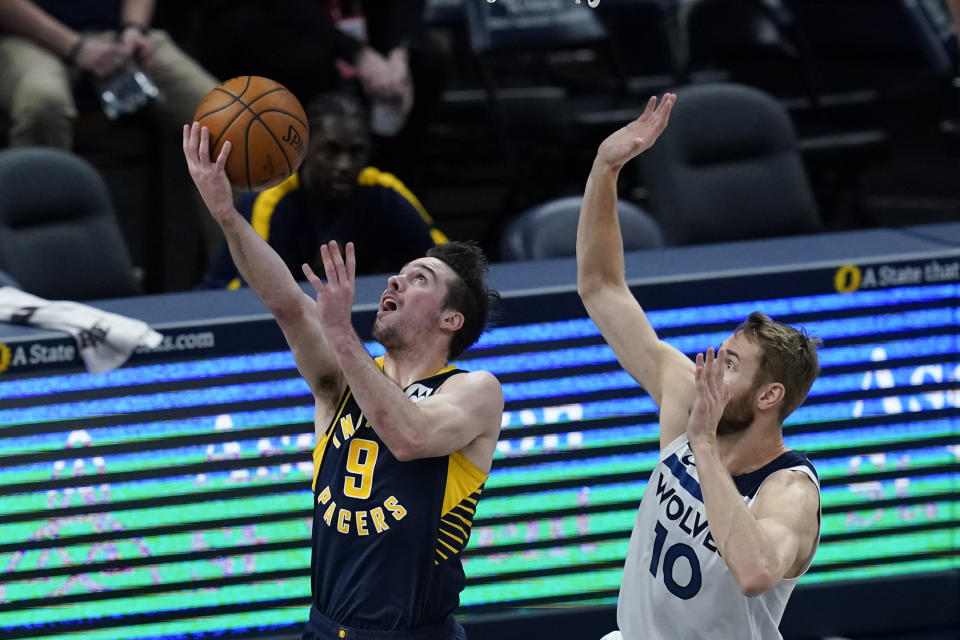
(105, 339)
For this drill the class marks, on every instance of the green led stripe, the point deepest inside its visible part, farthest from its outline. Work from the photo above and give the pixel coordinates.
(576, 584)
(873, 519)
(585, 469)
(547, 558)
(841, 439)
(886, 546)
(169, 601)
(883, 571)
(487, 539)
(259, 618)
(578, 498)
(158, 546)
(859, 493)
(158, 459)
(134, 519)
(162, 487)
(905, 461)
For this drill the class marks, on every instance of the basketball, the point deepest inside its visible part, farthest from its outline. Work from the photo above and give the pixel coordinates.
(265, 124)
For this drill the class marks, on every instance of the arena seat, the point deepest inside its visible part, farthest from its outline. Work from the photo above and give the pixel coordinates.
(728, 168)
(549, 230)
(59, 237)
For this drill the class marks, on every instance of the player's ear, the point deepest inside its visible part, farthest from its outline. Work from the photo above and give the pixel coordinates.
(770, 396)
(451, 320)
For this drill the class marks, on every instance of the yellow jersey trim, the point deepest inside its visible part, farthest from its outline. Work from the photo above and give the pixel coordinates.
(371, 176)
(322, 444)
(266, 204)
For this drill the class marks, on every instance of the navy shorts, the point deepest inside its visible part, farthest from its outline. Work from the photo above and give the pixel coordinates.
(321, 627)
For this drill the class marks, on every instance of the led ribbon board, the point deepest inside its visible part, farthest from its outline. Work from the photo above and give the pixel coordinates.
(171, 498)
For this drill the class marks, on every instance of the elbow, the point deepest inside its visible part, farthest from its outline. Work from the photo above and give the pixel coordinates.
(406, 450)
(756, 582)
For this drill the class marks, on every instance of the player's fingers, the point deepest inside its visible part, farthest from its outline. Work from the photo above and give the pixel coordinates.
(329, 269)
(224, 153)
(312, 277)
(649, 107)
(351, 261)
(337, 259)
(204, 143)
(186, 142)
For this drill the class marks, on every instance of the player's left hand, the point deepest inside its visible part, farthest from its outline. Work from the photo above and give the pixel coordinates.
(712, 397)
(335, 296)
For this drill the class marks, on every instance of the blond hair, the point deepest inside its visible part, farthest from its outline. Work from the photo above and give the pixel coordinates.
(787, 356)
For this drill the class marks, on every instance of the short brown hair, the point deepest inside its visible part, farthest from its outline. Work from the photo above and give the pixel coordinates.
(468, 293)
(787, 356)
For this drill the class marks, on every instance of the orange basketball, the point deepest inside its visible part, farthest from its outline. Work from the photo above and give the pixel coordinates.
(265, 124)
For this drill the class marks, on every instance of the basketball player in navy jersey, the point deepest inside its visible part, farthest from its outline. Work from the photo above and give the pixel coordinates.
(404, 442)
(730, 518)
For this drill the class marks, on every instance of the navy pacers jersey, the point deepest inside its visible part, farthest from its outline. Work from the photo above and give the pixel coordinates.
(387, 534)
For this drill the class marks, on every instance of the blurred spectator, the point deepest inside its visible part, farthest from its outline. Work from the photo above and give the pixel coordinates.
(45, 45)
(333, 197)
(315, 46)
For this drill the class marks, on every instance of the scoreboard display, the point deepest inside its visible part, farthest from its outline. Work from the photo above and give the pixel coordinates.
(171, 498)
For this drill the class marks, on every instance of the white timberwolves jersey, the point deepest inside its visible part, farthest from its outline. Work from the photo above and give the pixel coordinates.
(675, 584)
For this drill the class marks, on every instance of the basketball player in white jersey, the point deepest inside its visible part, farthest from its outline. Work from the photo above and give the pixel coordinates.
(730, 518)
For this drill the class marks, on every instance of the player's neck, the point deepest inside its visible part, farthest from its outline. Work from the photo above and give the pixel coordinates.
(406, 366)
(750, 449)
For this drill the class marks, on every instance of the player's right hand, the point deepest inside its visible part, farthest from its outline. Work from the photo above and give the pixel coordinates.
(629, 141)
(209, 176)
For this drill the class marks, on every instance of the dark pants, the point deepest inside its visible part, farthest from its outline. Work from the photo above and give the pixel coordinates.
(321, 627)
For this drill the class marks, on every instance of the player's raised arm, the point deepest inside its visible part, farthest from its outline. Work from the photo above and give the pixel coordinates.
(263, 269)
(600, 271)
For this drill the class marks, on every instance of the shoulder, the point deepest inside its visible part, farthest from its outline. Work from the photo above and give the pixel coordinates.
(473, 382)
(789, 491)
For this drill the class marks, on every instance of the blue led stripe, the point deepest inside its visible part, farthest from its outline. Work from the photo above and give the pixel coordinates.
(692, 316)
(572, 385)
(152, 374)
(148, 430)
(891, 378)
(256, 452)
(845, 438)
(576, 440)
(603, 354)
(577, 412)
(893, 404)
(156, 401)
(911, 348)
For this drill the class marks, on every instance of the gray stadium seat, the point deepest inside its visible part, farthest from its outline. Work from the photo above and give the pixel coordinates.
(549, 230)
(728, 168)
(58, 235)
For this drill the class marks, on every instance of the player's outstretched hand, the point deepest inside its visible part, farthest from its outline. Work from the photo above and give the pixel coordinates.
(210, 177)
(631, 140)
(712, 397)
(335, 296)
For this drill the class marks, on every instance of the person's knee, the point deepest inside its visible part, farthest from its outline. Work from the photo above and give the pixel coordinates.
(42, 114)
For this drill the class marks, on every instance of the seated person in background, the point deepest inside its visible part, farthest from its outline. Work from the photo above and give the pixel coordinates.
(44, 44)
(333, 197)
(380, 47)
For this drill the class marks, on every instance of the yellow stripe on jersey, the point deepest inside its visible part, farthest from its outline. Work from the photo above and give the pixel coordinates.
(322, 444)
(371, 176)
(266, 204)
(464, 484)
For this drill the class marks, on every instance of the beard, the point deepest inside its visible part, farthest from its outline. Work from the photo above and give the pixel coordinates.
(388, 336)
(737, 415)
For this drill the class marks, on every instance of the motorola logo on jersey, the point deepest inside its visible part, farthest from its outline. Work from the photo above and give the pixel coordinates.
(417, 392)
